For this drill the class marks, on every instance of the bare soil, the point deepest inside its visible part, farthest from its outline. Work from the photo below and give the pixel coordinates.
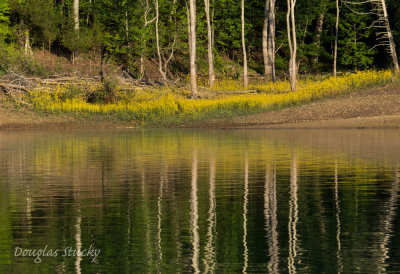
(377, 107)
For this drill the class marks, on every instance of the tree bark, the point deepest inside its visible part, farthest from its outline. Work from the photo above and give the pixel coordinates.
(317, 36)
(268, 40)
(336, 39)
(390, 38)
(28, 49)
(211, 75)
(76, 15)
(192, 47)
(291, 32)
(162, 72)
(245, 76)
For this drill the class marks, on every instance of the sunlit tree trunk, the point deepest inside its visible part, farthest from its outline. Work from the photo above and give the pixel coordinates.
(336, 39)
(192, 47)
(291, 32)
(28, 49)
(390, 38)
(245, 77)
(147, 9)
(76, 15)
(160, 66)
(211, 75)
(268, 39)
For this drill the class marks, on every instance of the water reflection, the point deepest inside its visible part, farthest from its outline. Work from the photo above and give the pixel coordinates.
(210, 252)
(293, 217)
(201, 201)
(338, 226)
(271, 219)
(194, 215)
(245, 202)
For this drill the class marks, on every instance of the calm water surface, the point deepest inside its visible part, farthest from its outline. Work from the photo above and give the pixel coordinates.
(186, 201)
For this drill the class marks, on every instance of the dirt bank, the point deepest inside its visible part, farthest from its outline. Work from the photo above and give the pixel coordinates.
(370, 108)
(13, 118)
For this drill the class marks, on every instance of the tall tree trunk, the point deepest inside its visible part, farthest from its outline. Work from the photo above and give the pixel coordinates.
(291, 32)
(245, 77)
(211, 75)
(268, 39)
(192, 47)
(76, 15)
(336, 39)
(390, 38)
(160, 68)
(317, 36)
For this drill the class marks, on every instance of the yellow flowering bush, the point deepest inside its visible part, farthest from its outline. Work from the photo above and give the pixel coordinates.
(170, 107)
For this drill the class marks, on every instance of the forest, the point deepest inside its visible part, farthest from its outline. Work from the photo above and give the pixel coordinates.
(132, 31)
(216, 45)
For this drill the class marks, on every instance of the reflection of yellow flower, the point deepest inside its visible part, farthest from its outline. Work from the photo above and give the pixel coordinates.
(163, 105)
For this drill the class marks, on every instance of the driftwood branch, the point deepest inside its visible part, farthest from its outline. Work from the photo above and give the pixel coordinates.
(6, 89)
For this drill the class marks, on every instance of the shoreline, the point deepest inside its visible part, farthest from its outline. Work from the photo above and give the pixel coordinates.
(377, 107)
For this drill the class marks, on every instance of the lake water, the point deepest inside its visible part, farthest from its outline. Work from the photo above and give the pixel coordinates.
(195, 201)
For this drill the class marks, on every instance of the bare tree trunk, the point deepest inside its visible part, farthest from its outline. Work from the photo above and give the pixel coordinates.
(336, 38)
(291, 31)
(28, 49)
(192, 47)
(76, 15)
(245, 77)
(390, 38)
(268, 40)
(211, 75)
(147, 9)
(162, 72)
(317, 36)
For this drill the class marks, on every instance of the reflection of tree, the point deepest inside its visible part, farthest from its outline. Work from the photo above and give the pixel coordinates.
(390, 210)
(338, 225)
(29, 208)
(163, 178)
(293, 217)
(146, 214)
(78, 234)
(245, 202)
(194, 215)
(210, 256)
(271, 220)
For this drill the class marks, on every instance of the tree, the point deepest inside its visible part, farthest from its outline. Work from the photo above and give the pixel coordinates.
(317, 33)
(4, 20)
(160, 67)
(384, 17)
(292, 41)
(245, 77)
(211, 74)
(336, 39)
(355, 32)
(76, 15)
(268, 41)
(192, 47)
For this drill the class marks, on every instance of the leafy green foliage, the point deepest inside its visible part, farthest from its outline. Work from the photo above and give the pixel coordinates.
(127, 30)
(4, 20)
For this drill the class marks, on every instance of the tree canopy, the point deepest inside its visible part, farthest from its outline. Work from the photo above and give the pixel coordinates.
(126, 29)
